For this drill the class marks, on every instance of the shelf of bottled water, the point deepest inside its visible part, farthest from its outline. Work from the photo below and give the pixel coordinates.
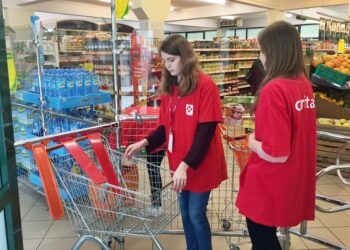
(66, 88)
(66, 82)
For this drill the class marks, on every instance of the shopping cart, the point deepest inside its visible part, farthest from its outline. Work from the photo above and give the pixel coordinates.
(100, 206)
(237, 140)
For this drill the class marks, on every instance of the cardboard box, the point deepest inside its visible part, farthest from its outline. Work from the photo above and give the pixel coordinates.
(328, 109)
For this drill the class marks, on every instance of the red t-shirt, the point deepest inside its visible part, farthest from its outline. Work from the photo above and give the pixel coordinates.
(282, 194)
(183, 115)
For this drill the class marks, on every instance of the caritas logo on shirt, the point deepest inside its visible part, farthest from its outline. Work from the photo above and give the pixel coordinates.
(305, 103)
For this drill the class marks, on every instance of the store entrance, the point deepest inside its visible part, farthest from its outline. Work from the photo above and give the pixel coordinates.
(10, 219)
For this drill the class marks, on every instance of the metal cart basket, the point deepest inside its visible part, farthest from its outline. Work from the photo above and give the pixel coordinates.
(98, 209)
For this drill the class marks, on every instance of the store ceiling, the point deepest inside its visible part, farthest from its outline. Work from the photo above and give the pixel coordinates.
(177, 4)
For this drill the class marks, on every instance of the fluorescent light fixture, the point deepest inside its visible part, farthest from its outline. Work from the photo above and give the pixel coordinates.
(311, 21)
(214, 1)
(228, 17)
(106, 1)
(172, 8)
(130, 3)
(288, 15)
(330, 16)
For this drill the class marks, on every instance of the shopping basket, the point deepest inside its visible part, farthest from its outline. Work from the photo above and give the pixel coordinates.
(126, 207)
(238, 141)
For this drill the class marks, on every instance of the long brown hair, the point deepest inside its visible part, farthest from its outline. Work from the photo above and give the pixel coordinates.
(177, 45)
(281, 44)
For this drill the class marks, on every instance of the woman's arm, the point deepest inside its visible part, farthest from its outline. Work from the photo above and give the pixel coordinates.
(201, 142)
(256, 146)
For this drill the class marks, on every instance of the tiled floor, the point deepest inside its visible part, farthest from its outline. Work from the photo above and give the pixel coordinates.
(43, 233)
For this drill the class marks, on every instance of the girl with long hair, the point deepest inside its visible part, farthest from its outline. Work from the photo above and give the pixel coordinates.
(277, 186)
(188, 122)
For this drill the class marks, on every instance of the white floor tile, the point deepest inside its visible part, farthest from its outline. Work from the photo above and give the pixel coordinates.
(31, 244)
(60, 229)
(35, 229)
(38, 213)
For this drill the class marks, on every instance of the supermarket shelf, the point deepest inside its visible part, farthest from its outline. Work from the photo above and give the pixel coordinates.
(104, 72)
(227, 82)
(243, 86)
(225, 49)
(229, 93)
(324, 50)
(221, 71)
(74, 60)
(241, 76)
(110, 72)
(227, 59)
(72, 51)
(97, 53)
(105, 53)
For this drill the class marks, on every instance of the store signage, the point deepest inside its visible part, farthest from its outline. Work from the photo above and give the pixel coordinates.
(333, 30)
(90, 100)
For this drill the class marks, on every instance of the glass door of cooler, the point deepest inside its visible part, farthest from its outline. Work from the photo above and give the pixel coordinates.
(10, 219)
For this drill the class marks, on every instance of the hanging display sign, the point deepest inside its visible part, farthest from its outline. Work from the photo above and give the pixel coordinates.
(121, 8)
(333, 30)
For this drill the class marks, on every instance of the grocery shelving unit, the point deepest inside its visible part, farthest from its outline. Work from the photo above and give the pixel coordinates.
(228, 67)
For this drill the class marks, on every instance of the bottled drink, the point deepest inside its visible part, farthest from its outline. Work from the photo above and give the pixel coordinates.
(95, 82)
(87, 82)
(35, 79)
(79, 83)
(70, 83)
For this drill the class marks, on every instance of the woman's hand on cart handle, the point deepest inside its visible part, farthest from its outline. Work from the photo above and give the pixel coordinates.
(135, 147)
(180, 177)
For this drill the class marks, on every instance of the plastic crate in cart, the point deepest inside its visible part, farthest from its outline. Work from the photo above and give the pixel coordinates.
(332, 75)
(59, 103)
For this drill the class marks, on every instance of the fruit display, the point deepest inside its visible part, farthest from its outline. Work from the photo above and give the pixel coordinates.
(340, 99)
(334, 122)
(340, 62)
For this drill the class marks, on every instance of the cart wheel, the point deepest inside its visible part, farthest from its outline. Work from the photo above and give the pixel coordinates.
(226, 225)
(113, 240)
(233, 247)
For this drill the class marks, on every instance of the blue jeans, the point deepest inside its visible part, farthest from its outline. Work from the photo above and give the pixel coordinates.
(193, 208)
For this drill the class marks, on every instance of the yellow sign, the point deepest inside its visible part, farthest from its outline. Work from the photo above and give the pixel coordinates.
(121, 8)
(11, 71)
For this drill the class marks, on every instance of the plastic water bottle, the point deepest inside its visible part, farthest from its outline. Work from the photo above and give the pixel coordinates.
(61, 83)
(87, 82)
(70, 83)
(35, 79)
(79, 83)
(95, 82)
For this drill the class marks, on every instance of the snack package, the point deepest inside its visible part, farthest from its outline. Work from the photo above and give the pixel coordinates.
(233, 114)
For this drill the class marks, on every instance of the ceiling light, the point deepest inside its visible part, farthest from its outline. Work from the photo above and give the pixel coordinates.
(130, 3)
(172, 8)
(214, 1)
(106, 1)
(228, 17)
(312, 21)
(289, 15)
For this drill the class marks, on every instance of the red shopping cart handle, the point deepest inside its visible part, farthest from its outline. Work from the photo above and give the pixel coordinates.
(103, 158)
(83, 160)
(49, 181)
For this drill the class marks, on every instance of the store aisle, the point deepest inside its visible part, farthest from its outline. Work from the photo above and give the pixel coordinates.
(41, 232)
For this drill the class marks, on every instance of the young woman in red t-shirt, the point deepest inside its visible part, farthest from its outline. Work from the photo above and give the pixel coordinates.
(277, 186)
(188, 122)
